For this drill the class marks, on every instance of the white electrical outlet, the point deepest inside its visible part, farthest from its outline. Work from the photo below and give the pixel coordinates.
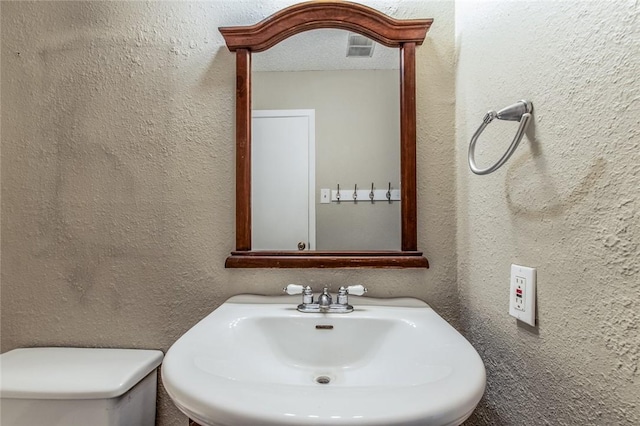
(325, 196)
(522, 294)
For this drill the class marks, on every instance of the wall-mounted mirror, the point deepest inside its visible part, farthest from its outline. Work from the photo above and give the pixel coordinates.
(325, 139)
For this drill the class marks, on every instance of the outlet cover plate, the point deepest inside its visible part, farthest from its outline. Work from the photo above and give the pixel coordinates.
(522, 294)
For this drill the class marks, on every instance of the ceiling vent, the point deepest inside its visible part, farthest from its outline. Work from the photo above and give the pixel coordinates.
(359, 46)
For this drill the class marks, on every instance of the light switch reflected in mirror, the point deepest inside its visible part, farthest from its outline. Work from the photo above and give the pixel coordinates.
(321, 119)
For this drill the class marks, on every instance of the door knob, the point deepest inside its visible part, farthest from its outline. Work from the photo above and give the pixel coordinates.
(301, 245)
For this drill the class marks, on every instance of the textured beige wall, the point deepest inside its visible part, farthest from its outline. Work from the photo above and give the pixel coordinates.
(118, 168)
(357, 142)
(566, 203)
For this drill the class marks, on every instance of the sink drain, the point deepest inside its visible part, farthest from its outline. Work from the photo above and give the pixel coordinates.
(323, 380)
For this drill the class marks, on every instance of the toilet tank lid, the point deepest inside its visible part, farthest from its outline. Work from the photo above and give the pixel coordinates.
(73, 373)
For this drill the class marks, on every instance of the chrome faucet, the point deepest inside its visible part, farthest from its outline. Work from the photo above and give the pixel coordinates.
(325, 302)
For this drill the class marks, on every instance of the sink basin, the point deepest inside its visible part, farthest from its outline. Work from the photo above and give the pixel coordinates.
(256, 360)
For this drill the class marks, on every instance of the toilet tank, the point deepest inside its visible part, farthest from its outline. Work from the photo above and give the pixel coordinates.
(78, 386)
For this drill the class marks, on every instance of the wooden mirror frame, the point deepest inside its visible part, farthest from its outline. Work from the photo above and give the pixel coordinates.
(402, 34)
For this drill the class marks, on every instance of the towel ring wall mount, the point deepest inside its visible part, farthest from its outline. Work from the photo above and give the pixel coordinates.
(520, 111)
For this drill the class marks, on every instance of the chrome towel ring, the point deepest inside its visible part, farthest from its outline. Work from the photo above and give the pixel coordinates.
(520, 111)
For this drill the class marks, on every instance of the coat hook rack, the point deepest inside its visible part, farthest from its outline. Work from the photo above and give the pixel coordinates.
(372, 194)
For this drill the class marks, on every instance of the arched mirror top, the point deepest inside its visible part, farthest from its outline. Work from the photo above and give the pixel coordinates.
(402, 34)
(326, 14)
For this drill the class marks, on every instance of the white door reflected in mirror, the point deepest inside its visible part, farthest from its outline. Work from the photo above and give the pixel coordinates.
(283, 177)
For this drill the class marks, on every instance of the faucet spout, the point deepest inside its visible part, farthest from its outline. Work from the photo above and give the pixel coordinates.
(324, 300)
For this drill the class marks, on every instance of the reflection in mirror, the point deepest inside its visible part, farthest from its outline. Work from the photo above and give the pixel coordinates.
(351, 138)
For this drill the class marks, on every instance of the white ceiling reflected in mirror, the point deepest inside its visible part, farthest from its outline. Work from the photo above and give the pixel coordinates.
(322, 50)
(356, 132)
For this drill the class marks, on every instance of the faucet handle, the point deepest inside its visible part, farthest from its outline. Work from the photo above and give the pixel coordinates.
(356, 290)
(293, 289)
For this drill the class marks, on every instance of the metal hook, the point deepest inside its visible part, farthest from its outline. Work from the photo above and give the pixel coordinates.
(389, 193)
(338, 194)
(520, 111)
(355, 192)
(371, 194)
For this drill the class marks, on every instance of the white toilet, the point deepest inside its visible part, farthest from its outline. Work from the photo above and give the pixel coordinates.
(78, 386)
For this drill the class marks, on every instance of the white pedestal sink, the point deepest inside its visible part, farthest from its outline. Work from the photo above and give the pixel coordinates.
(256, 360)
